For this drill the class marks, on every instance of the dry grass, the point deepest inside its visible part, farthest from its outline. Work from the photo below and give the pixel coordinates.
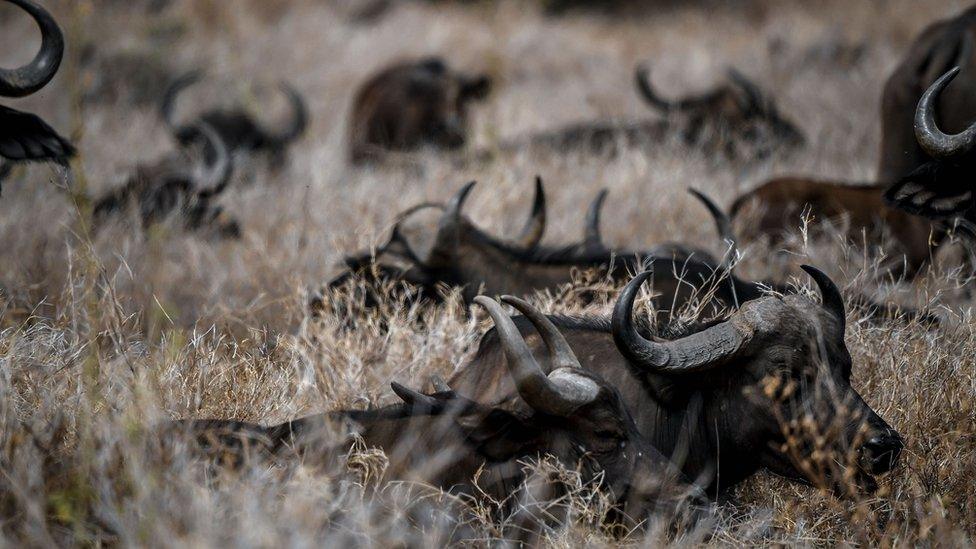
(102, 337)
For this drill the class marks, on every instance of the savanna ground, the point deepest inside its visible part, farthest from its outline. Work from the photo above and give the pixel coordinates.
(104, 336)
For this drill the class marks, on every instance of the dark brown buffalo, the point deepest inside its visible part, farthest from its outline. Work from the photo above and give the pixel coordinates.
(465, 257)
(725, 400)
(242, 133)
(777, 207)
(411, 105)
(446, 440)
(25, 137)
(940, 47)
(173, 185)
(737, 120)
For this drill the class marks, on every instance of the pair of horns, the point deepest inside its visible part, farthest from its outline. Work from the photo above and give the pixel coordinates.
(296, 128)
(561, 392)
(934, 141)
(707, 349)
(35, 75)
(534, 228)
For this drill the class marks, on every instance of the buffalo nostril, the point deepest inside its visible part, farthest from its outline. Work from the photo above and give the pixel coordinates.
(881, 452)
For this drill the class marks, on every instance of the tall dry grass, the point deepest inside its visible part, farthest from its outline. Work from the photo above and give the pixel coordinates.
(103, 336)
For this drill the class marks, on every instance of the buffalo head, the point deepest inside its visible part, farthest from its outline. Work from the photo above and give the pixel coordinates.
(777, 378)
(239, 129)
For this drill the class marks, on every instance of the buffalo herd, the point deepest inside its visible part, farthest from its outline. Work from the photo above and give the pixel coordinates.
(662, 414)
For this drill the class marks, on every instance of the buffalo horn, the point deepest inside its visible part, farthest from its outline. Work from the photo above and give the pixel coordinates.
(449, 227)
(592, 239)
(723, 225)
(299, 117)
(535, 227)
(697, 352)
(222, 166)
(643, 78)
(933, 141)
(832, 299)
(35, 75)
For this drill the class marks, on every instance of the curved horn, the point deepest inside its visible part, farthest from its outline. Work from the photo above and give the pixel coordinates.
(452, 211)
(535, 227)
(560, 351)
(752, 91)
(35, 75)
(299, 117)
(449, 227)
(724, 227)
(415, 399)
(642, 75)
(591, 232)
(697, 352)
(550, 396)
(396, 236)
(167, 106)
(933, 141)
(222, 166)
(832, 299)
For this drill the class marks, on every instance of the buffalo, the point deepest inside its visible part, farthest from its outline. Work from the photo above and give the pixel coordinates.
(242, 133)
(726, 399)
(25, 137)
(737, 120)
(775, 209)
(940, 47)
(463, 256)
(174, 185)
(412, 105)
(446, 440)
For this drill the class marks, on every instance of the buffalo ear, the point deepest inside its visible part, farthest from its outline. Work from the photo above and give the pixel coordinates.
(498, 435)
(922, 193)
(476, 88)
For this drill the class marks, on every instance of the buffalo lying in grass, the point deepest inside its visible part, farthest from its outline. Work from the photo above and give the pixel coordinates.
(469, 448)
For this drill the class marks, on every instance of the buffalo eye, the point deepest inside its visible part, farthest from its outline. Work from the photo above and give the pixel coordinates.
(609, 434)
